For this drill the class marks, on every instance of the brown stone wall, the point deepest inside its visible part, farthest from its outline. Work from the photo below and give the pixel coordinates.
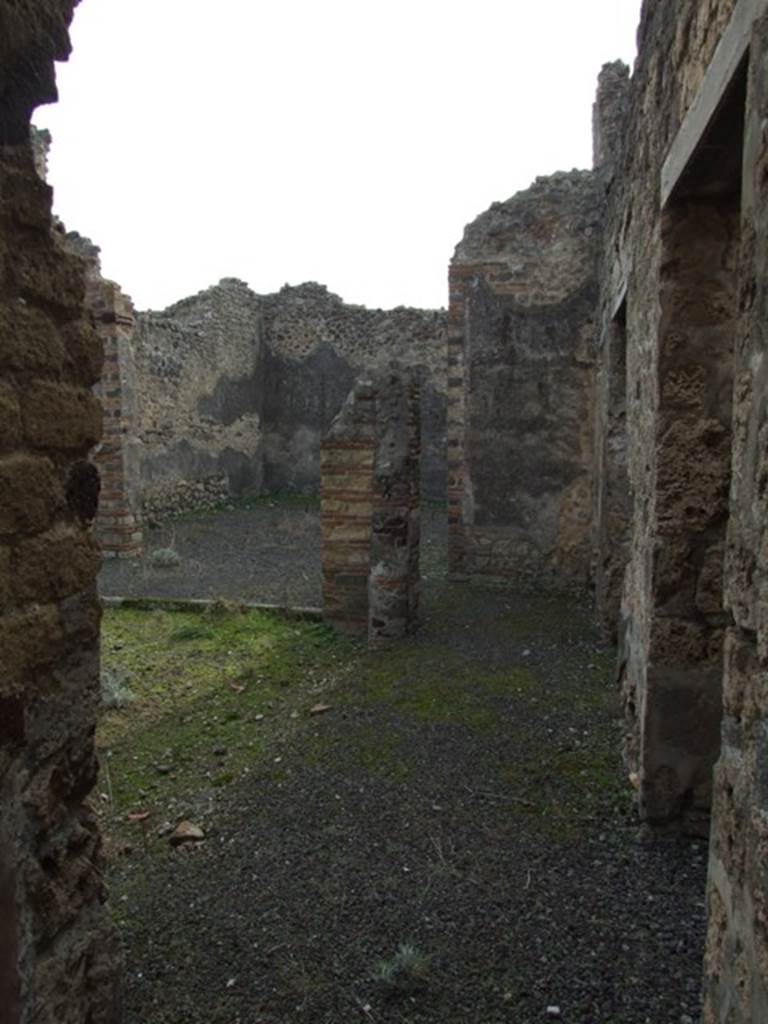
(736, 963)
(58, 953)
(370, 509)
(523, 290)
(677, 342)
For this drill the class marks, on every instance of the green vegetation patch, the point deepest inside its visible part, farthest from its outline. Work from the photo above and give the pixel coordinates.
(210, 692)
(437, 684)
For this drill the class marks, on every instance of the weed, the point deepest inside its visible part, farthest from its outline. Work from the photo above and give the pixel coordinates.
(406, 969)
(164, 558)
(115, 687)
(193, 631)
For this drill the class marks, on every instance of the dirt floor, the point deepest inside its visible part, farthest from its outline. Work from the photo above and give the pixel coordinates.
(450, 841)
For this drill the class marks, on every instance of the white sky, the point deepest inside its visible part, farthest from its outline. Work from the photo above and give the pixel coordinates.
(341, 141)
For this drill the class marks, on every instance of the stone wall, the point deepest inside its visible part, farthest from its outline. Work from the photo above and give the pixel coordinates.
(370, 509)
(200, 373)
(237, 389)
(736, 963)
(58, 953)
(523, 287)
(317, 347)
(671, 277)
(683, 277)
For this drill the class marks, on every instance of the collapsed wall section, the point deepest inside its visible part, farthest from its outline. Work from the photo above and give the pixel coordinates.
(523, 289)
(58, 952)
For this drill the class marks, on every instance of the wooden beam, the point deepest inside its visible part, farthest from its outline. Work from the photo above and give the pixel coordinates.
(729, 53)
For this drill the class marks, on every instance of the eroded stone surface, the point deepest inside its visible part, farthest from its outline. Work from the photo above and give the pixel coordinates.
(58, 952)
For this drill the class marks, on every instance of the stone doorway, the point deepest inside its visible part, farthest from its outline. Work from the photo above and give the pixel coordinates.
(674, 707)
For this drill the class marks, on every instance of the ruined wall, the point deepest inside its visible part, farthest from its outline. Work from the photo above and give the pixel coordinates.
(58, 954)
(237, 389)
(317, 347)
(676, 416)
(200, 372)
(370, 509)
(736, 963)
(523, 291)
(684, 268)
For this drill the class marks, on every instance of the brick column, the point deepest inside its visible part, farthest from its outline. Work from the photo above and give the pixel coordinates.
(393, 585)
(118, 526)
(346, 481)
(370, 510)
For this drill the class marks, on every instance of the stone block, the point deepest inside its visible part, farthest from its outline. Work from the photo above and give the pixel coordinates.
(29, 340)
(5, 576)
(84, 353)
(60, 416)
(28, 639)
(54, 565)
(10, 418)
(30, 494)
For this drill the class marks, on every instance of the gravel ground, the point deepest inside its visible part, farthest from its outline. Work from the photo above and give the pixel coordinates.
(266, 554)
(485, 828)
(269, 553)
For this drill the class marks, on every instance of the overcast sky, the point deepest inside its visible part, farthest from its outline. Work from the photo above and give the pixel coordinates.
(341, 141)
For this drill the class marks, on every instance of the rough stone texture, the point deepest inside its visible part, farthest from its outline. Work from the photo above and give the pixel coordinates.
(317, 346)
(58, 952)
(370, 509)
(523, 290)
(237, 389)
(736, 962)
(675, 277)
(200, 382)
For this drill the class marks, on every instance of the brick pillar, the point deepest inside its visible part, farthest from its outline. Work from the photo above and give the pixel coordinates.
(370, 509)
(346, 483)
(393, 585)
(118, 526)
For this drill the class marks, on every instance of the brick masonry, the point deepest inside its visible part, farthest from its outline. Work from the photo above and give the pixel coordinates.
(370, 509)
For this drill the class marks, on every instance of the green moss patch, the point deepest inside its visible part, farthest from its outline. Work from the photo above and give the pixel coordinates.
(211, 694)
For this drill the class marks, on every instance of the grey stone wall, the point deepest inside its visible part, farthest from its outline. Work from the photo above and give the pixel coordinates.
(200, 375)
(523, 295)
(317, 347)
(237, 390)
